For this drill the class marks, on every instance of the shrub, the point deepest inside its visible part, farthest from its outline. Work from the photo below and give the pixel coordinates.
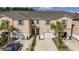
(62, 46)
(3, 38)
(14, 38)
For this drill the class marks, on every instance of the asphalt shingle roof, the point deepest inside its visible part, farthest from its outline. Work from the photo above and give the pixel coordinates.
(39, 14)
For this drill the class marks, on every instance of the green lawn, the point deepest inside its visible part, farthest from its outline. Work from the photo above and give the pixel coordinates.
(61, 47)
(33, 44)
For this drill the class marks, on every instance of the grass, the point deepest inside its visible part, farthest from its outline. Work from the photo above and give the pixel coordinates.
(61, 47)
(74, 38)
(70, 38)
(33, 44)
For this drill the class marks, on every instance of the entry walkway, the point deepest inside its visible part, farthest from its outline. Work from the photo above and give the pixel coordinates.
(45, 45)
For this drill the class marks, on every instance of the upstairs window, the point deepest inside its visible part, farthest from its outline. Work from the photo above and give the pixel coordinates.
(47, 22)
(32, 21)
(20, 22)
(37, 21)
(64, 22)
(4, 21)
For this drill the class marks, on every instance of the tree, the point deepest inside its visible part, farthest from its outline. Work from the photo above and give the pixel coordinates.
(7, 9)
(22, 9)
(1, 9)
(58, 28)
(3, 38)
(6, 27)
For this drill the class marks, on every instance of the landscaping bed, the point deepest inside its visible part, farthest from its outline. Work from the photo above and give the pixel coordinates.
(1, 47)
(33, 44)
(61, 47)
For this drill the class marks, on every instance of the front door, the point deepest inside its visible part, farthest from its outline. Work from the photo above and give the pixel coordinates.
(35, 31)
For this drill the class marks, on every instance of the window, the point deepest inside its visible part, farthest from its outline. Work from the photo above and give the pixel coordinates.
(47, 22)
(4, 21)
(32, 22)
(64, 22)
(37, 21)
(20, 22)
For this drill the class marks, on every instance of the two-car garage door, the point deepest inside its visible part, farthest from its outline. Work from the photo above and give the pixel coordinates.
(47, 35)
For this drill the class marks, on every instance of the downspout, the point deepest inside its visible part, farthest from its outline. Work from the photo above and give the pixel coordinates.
(72, 26)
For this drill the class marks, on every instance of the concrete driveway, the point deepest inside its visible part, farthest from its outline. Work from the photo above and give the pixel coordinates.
(45, 45)
(73, 45)
(1, 49)
(26, 44)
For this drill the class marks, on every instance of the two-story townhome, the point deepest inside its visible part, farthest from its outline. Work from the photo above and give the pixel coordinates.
(17, 20)
(76, 26)
(37, 22)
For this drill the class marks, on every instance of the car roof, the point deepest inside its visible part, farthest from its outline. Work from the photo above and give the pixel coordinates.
(11, 44)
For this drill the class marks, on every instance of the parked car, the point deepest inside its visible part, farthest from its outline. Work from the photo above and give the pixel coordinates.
(13, 47)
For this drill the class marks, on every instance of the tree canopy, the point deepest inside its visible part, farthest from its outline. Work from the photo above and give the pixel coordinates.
(15, 9)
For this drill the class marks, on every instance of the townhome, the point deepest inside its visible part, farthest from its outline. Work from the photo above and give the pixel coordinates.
(38, 22)
(19, 21)
(76, 24)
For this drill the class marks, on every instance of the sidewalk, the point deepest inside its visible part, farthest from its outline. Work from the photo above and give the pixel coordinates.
(26, 44)
(73, 45)
(45, 45)
(76, 36)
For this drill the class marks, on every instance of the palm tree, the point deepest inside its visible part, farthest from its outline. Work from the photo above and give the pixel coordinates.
(58, 28)
(3, 39)
(6, 27)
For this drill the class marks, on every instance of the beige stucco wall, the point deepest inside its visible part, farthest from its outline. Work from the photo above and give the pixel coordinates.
(76, 27)
(24, 28)
(44, 27)
(47, 28)
(35, 22)
(69, 23)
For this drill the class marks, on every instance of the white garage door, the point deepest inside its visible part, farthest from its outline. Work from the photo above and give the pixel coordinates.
(48, 35)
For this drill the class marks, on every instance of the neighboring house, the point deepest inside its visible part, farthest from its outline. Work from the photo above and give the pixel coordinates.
(37, 22)
(76, 24)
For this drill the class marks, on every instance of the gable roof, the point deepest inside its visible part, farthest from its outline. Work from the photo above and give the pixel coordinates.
(14, 15)
(39, 14)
